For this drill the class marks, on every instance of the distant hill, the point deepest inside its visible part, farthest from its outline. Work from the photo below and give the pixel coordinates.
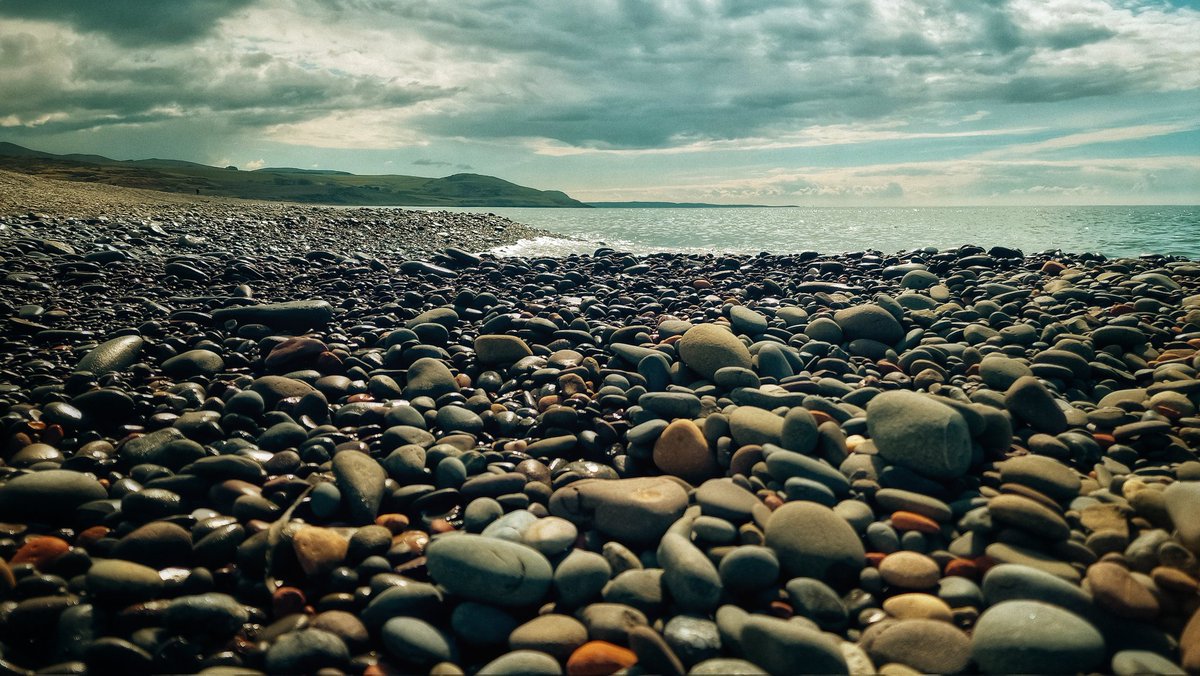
(283, 183)
(669, 205)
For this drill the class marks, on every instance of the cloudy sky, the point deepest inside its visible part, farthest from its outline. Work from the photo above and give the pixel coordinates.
(838, 102)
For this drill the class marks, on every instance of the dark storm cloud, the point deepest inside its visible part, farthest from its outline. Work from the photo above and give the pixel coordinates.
(130, 22)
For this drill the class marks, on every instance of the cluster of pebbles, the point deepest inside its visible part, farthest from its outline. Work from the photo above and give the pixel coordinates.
(279, 446)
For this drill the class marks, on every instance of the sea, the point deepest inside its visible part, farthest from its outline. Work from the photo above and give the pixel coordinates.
(1114, 231)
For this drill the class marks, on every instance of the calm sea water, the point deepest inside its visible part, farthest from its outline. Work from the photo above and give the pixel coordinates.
(1111, 230)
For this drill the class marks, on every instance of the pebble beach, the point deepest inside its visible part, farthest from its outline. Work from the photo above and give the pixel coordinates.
(239, 437)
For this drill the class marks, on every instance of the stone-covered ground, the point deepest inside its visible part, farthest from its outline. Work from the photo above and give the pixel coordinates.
(318, 439)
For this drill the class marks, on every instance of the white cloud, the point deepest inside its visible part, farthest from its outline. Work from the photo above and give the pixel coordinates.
(254, 164)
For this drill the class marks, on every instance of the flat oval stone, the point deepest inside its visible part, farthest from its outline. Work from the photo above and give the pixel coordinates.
(1013, 582)
(111, 356)
(1029, 515)
(783, 647)
(1116, 590)
(929, 646)
(296, 315)
(635, 511)
(1043, 474)
(489, 570)
(416, 642)
(49, 496)
(1031, 637)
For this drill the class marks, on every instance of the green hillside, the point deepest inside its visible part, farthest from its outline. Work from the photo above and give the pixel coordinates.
(282, 183)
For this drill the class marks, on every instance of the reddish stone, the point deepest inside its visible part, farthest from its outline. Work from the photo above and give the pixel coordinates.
(599, 658)
(912, 521)
(40, 551)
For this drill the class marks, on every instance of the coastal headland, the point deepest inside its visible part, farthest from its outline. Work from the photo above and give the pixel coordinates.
(243, 437)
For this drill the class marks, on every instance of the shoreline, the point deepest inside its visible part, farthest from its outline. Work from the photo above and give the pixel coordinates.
(337, 440)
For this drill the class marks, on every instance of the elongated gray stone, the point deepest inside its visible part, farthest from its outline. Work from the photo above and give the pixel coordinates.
(295, 314)
(114, 355)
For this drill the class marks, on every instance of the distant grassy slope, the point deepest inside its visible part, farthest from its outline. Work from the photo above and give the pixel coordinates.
(283, 184)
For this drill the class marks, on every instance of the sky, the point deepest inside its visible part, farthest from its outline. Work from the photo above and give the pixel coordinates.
(811, 102)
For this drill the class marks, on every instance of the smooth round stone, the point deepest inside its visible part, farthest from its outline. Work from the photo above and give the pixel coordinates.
(731, 377)
(909, 570)
(111, 356)
(747, 321)
(1027, 637)
(631, 511)
(693, 639)
(782, 647)
(640, 588)
(281, 436)
(306, 651)
(1029, 401)
(193, 363)
(818, 602)
(49, 496)
(554, 634)
(482, 624)
(858, 514)
(928, 646)
(751, 425)
(551, 535)
(214, 614)
(916, 432)
(999, 373)
(1183, 504)
(124, 581)
(580, 577)
(671, 405)
(722, 666)
(708, 347)
(360, 480)
(1029, 515)
(1137, 662)
(1115, 589)
(1042, 474)
(724, 499)
(319, 550)
(416, 642)
(511, 526)
(274, 389)
(158, 544)
(682, 450)
(489, 570)
(1003, 552)
(959, 592)
(799, 431)
(688, 574)
(870, 322)
(611, 621)
(749, 568)
(35, 453)
(898, 500)
(325, 500)
(491, 350)
(810, 540)
(917, 606)
(429, 377)
(406, 597)
(459, 419)
(522, 662)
